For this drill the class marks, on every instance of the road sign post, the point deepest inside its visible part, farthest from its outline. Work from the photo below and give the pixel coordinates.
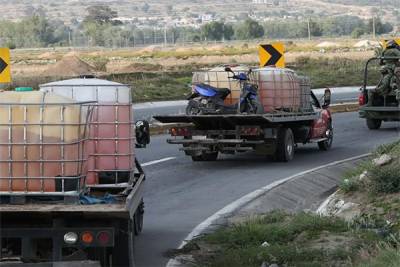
(272, 55)
(5, 70)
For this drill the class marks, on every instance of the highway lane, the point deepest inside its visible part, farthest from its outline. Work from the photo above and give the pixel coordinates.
(180, 193)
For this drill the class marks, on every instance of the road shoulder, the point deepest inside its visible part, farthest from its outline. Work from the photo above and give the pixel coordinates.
(303, 191)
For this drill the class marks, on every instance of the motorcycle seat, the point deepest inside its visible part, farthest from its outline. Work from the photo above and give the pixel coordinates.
(223, 92)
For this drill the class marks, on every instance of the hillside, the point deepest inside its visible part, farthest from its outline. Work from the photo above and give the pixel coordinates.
(70, 10)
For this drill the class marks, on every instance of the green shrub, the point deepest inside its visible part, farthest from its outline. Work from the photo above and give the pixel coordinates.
(385, 179)
(349, 185)
(388, 148)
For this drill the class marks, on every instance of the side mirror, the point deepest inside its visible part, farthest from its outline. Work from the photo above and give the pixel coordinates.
(142, 130)
(327, 98)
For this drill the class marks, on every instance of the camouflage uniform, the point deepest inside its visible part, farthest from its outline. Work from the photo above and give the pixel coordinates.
(392, 50)
(395, 83)
(385, 85)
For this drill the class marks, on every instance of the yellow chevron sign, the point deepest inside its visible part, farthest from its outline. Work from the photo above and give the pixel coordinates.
(272, 55)
(384, 42)
(5, 70)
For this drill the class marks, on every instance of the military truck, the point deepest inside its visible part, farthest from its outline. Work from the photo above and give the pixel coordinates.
(381, 108)
(71, 188)
(291, 114)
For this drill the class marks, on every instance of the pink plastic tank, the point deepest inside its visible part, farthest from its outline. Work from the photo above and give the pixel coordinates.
(110, 148)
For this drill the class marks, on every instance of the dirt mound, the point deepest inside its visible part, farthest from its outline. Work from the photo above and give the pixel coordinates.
(69, 65)
(46, 55)
(366, 44)
(151, 48)
(327, 44)
(141, 67)
(216, 48)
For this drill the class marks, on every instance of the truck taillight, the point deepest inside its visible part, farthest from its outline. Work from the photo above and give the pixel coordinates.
(361, 99)
(87, 238)
(250, 131)
(103, 238)
(180, 132)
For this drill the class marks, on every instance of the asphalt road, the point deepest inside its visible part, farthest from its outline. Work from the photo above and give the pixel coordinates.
(180, 193)
(146, 111)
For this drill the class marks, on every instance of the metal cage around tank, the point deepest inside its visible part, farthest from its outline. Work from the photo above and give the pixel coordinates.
(42, 148)
(278, 89)
(110, 149)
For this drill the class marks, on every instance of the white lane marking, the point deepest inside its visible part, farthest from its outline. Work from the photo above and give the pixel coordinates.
(230, 208)
(157, 161)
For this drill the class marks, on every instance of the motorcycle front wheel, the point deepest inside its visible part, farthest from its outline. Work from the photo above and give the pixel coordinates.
(193, 108)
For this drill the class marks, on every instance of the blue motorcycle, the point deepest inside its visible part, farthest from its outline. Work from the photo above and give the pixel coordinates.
(207, 99)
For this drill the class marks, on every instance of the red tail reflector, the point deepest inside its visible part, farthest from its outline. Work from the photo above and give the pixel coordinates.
(180, 132)
(361, 99)
(103, 238)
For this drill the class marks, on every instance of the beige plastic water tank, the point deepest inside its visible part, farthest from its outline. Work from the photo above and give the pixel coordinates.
(38, 142)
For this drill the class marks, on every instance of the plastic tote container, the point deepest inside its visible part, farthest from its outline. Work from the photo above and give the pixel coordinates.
(41, 143)
(279, 89)
(112, 139)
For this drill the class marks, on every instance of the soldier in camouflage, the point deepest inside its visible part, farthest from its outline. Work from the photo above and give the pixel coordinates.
(392, 50)
(386, 84)
(395, 83)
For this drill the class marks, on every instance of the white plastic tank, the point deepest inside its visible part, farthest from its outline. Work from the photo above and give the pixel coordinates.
(111, 143)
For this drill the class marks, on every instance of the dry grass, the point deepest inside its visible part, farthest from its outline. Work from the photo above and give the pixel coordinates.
(32, 62)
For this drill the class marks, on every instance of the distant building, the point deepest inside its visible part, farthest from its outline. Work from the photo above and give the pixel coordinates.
(271, 2)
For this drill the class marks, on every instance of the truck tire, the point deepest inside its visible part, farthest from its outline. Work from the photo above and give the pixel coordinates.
(285, 145)
(206, 156)
(138, 219)
(374, 124)
(210, 156)
(123, 251)
(327, 144)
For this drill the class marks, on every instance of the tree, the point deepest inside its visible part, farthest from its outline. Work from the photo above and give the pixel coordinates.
(357, 32)
(249, 29)
(380, 27)
(100, 14)
(216, 30)
(228, 32)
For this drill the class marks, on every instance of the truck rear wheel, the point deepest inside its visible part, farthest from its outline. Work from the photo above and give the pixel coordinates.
(206, 156)
(123, 251)
(327, 144)
(285, 146)
(374, 124)
(138, 219)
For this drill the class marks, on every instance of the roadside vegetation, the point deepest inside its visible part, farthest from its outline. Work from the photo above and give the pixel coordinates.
(369, 237)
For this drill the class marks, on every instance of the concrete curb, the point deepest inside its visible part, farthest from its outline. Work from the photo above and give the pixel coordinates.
(158, 129)
(222, 215)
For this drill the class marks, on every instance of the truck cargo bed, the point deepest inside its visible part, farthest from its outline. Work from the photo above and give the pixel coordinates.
(126, 205)
(240, 119)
